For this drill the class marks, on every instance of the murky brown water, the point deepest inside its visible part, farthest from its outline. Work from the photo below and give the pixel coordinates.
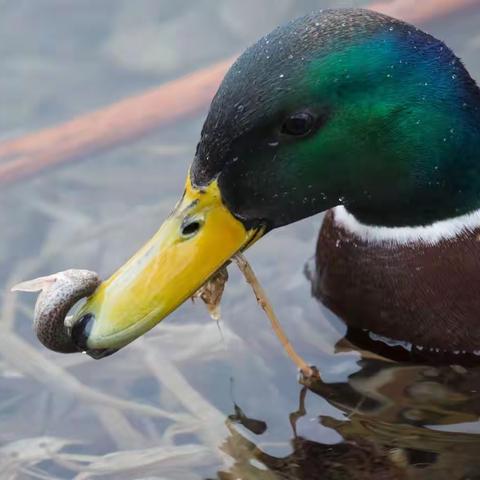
(187, 402)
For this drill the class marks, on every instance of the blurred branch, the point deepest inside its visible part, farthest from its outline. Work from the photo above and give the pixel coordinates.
(137, 116)
(119, 123)
(420, 11)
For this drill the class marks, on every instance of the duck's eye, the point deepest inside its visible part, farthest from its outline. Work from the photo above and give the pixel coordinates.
(298, 124)
(190, 228)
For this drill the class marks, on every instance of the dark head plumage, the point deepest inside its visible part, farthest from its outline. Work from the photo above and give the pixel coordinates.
(394, 112)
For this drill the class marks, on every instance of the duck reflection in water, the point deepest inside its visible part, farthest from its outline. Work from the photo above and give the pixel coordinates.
(402, 420)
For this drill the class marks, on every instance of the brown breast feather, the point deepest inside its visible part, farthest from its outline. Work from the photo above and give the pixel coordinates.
(424, 294)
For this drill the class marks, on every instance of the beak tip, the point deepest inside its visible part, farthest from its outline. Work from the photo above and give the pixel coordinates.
(81, 331)
(100, 353)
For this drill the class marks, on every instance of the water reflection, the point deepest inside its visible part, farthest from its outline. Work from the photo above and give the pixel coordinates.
(401, 420)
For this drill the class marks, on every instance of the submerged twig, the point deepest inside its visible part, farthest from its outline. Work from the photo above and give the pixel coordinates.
(32, 363)
(264, 302)
(211, 426)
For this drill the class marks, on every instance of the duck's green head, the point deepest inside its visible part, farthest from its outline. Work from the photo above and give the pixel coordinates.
(341, 107)
(345, 107)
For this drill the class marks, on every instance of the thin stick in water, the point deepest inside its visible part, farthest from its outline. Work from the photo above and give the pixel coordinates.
(264, 302)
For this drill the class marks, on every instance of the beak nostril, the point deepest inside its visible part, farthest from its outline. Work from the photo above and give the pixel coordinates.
(191, 228)
(81, 331)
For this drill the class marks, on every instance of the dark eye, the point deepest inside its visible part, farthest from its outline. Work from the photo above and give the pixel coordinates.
(190, 228)
(298, 124)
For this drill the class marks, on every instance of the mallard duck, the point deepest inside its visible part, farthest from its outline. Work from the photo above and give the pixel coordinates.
(348, 112)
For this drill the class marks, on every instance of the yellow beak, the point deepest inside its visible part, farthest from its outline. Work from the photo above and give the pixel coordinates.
(197, 239)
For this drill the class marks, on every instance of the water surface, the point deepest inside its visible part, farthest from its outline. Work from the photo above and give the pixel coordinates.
(190, 400)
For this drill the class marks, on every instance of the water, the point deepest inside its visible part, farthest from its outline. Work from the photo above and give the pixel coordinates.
(189, 401)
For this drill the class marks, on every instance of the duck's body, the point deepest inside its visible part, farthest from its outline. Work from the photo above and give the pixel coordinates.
(418, 285)
(345, 111)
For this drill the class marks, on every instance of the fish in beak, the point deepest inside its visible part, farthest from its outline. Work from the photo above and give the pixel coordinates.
(196, 240)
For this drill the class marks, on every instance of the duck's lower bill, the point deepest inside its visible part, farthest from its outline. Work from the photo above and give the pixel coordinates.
(198, 238)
